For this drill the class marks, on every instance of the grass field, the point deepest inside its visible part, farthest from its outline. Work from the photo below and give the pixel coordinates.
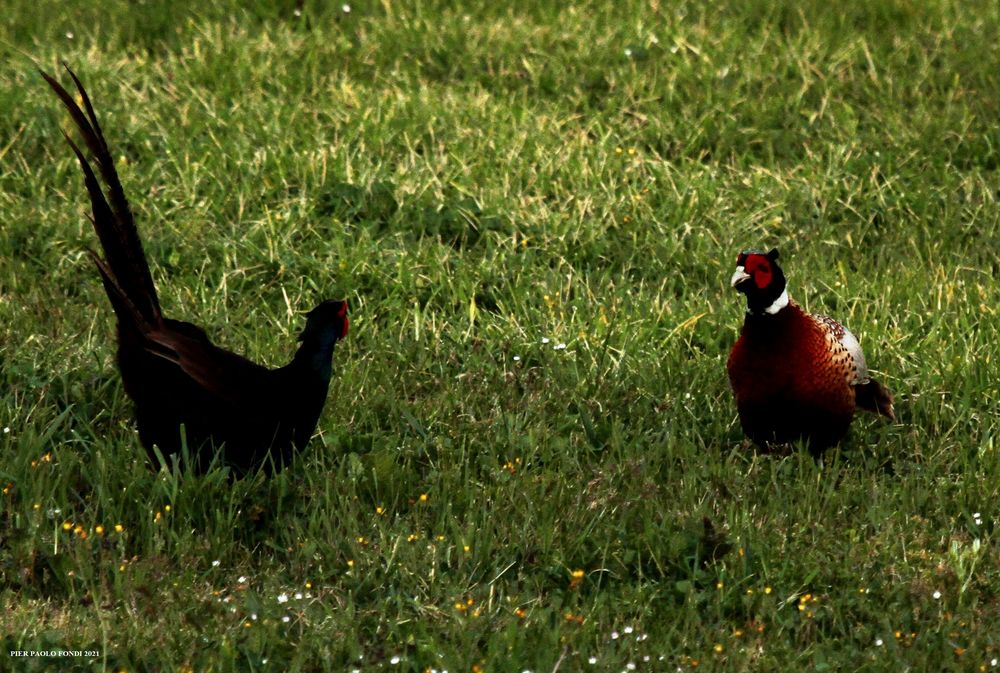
(534, 212)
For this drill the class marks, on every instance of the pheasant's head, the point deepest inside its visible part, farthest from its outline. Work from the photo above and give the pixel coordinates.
(326, 324)
(759, 277)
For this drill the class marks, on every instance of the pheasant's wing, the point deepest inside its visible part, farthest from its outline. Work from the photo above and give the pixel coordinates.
(871, 395)
(224, 375)
(845, 348)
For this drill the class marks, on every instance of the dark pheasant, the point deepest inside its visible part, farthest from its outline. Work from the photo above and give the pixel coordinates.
(795, 375)
(185, 388)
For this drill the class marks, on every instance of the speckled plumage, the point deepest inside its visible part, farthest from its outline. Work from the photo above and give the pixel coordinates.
(845, 351)
(795, 375)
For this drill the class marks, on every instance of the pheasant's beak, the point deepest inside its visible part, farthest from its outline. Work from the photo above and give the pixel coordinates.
(739, 276)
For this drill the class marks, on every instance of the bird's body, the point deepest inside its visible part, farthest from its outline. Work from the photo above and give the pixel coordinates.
(176, 376)
(185, 388)
(795, 376)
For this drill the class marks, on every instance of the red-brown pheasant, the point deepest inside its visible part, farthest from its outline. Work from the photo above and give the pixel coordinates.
(795, 375)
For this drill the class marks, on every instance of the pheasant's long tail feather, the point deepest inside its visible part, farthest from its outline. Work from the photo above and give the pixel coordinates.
(876, 398)
(120, 300)
(124, 270)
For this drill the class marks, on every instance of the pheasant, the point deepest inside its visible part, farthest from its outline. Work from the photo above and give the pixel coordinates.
(795, 376)
(185, 388)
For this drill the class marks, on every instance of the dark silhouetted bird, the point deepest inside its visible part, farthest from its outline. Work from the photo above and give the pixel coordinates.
(174, 374)
(795, 375)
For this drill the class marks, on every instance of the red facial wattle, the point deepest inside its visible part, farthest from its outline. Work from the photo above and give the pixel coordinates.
(760, 270)
(342, 314)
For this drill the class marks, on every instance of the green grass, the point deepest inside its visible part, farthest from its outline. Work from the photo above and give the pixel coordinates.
(473, 181)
